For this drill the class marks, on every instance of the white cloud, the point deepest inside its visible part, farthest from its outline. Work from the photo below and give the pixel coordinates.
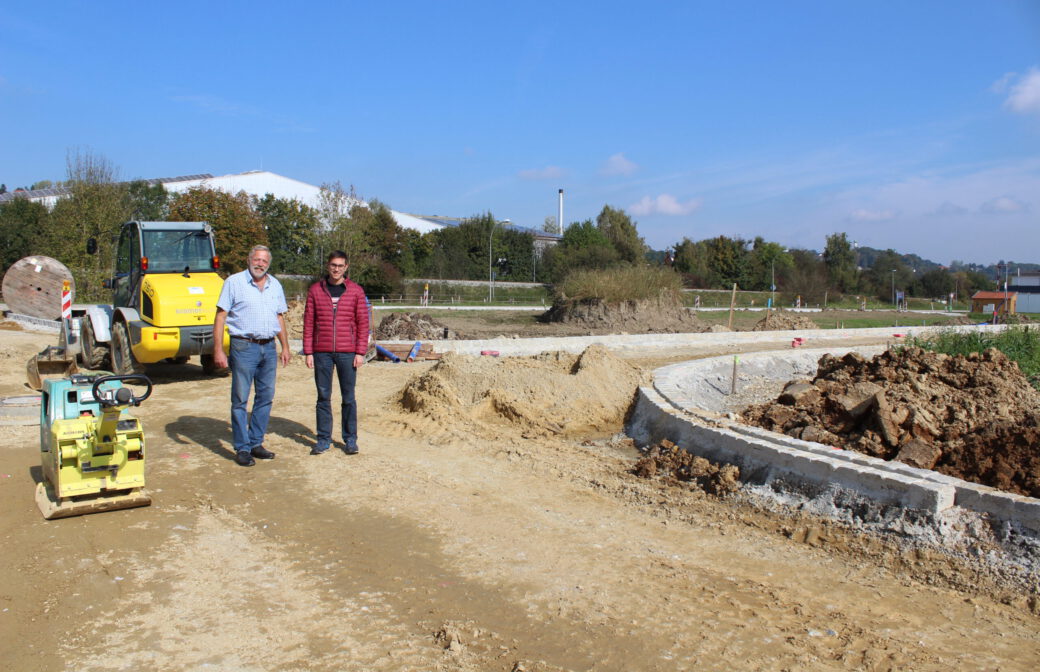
(664, 204)
(864, 215)
(1002, 205)
(618, 165)
(547, 173)
(948, 209)
(1023, 93)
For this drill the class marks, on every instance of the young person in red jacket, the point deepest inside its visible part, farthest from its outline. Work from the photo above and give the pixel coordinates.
(335, 336)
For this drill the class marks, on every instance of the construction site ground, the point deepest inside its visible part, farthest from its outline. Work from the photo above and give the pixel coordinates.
(456, 540)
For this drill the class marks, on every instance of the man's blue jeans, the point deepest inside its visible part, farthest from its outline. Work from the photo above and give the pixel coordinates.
(343, 363)
(252, 365)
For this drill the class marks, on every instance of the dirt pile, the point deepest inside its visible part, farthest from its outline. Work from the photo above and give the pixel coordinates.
(412, 327)
(548, 394)
(781, 321)
(973, 417)
(294, 318)
(665, 314)
(671, 464)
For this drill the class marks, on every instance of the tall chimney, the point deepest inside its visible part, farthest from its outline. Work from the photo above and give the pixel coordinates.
(559, 215)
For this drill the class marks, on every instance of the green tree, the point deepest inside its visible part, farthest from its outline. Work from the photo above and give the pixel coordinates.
(840, 260)
(770, 264)
(888, 273)
(148, 202)
(95, 208)
(619, 228)
(21, 220)
(292, 234)
(691, 260)
(237, 226)
(584, 246)
(936, 283)
(728, 261)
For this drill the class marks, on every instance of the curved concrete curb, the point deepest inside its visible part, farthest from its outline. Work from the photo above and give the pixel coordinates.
(687, 405)
(698, 342)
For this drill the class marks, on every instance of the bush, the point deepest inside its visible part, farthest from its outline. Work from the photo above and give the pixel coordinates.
(621, 283)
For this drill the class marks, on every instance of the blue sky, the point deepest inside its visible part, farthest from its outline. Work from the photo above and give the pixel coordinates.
(907, 125)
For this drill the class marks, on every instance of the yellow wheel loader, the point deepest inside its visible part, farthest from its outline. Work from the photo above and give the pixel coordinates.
(165, 290)
(92, 451)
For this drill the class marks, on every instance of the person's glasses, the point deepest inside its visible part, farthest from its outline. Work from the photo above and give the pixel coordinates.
(337, 265)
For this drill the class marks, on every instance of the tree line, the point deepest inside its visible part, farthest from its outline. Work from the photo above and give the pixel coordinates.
(382, 253)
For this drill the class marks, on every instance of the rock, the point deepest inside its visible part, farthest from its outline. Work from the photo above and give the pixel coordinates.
(920, 454)
(798, 393)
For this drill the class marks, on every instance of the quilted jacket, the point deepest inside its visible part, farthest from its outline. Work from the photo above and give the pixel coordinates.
(343, 329)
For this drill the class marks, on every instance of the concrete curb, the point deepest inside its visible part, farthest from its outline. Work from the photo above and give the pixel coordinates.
(686, 405)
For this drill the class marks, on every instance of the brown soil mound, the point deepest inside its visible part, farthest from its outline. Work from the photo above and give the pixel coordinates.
(412, 327)
(667, 462)
(552, 393)
(665, 314)
(781, 321)
(974, 417)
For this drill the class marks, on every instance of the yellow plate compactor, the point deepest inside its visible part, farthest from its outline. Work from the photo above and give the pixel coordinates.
(92, 451)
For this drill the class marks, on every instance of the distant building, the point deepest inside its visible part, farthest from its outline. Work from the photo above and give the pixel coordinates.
(255, 182)
(1027, 286)
(988, 302)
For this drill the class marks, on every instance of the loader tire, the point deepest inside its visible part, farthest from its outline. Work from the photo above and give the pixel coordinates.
(92, 355)
(123, 362)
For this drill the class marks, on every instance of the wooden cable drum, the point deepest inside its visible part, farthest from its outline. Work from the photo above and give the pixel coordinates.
(32, 286)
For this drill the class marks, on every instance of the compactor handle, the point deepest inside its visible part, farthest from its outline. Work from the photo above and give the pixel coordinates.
(123, 395)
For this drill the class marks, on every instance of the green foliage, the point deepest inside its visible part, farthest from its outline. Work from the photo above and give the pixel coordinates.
(148, 202)
(840, 260)
(21, 222)
(770, 264)
(728, 261)
(237, 226)
(623, 283)
(620, 230)
(292, 230)
(1021, 345)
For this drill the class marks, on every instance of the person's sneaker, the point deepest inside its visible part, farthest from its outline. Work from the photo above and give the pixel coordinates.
(350, 449)
(243, 458)
(318, 451)
(262, 453)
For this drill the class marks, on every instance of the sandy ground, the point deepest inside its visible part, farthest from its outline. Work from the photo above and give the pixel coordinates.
(452, 545)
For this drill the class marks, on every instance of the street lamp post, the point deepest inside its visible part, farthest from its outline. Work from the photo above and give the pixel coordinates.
(491, 237)
(491, 277)
(894, 287)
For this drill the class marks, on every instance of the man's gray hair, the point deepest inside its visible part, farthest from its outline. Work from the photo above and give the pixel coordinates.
(258, 248)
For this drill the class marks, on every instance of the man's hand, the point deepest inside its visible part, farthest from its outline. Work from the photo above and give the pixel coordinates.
(310, 361)
(358, 361)
(219, 358)
(285, 355)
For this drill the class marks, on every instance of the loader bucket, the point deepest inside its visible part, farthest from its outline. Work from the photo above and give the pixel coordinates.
(52, 362)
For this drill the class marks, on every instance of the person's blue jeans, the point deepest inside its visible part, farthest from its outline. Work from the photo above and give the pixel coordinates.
(252, 365)
(343, 363)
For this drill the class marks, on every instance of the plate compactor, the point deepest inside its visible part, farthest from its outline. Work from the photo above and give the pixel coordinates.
(92, 451)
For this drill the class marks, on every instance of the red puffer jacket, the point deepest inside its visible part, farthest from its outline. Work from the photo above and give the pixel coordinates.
(344, 329)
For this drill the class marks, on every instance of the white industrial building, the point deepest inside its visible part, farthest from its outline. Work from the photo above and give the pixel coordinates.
(1027, 286)
(261, 182)
(255, 182)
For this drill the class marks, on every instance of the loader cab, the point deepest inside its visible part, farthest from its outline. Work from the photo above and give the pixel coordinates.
(159, 247)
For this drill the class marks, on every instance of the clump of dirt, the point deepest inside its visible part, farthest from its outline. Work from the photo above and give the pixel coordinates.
(664, 314)
(974, 417)
(673, 465)
(10, 325)
(781, 321)
(548, 394)
(413, 327)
